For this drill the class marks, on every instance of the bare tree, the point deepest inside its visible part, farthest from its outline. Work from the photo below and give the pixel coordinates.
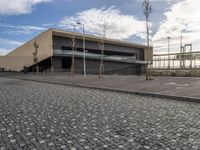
(147, 10)
(35, 57)
(73, 41)
(102, 48)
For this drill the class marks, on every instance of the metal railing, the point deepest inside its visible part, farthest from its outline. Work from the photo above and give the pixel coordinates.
(181, 64)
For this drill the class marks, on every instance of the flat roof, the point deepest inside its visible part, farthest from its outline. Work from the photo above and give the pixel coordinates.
(62, 33)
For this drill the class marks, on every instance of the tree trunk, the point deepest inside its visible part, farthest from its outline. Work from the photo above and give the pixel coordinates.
(37, 68)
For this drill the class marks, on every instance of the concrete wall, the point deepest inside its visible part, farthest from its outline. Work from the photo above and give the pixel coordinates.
(23, 56)
(62, 41)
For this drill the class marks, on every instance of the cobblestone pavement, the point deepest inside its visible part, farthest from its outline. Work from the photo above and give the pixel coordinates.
(176, 86)
(46, 116)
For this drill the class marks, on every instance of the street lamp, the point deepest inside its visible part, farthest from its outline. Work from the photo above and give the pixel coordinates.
(168, 38)
(73, 50)
(84, 62)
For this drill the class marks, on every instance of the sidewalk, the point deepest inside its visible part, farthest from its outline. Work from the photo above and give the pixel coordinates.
(184, 88)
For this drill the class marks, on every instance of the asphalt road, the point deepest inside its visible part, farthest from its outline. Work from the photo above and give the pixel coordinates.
(47, 116)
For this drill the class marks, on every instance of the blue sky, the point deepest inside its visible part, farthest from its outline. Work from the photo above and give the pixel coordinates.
(21, 20)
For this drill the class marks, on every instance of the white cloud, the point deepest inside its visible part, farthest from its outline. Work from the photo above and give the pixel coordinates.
(23, 29)
(8, 45)
(181, 16)
(10, 42)
(16, 7)
(3, 51)
(118, 25)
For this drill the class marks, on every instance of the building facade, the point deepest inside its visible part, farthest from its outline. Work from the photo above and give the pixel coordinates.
(57, 51)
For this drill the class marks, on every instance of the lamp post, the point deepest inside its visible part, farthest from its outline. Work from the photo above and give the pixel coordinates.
(168, 38)
(73, 51)
(84, 62)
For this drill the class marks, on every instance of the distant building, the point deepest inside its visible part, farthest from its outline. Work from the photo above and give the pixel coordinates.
(55, 54)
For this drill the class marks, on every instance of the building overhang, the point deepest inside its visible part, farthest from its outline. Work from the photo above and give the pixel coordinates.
(61, 33)
(77, 54)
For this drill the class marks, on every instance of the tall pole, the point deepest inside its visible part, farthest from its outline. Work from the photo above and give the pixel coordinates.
(181, 43)
(73, 50)
(191, 54)
(147, 10)
(168, 52)
(84, 61)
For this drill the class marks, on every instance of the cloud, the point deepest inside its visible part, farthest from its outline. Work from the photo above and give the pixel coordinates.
(23, 29)
(181, 16)
(8, 45)
(3, 51)
(10, 42)
(118, 25)
(16, 7)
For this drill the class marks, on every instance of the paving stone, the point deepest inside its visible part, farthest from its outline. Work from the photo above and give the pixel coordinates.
(46, 116)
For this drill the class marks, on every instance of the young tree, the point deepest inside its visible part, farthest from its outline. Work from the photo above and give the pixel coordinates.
(102, 48)
(147, 10)
(73, 41)
(35, 57)
(101, 66)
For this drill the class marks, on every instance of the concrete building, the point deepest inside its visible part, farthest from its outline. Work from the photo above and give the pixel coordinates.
(55, 54)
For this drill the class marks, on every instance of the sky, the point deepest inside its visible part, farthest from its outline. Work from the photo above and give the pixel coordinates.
(22, 20)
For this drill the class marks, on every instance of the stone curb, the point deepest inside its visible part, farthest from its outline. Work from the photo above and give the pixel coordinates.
(141, 93)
